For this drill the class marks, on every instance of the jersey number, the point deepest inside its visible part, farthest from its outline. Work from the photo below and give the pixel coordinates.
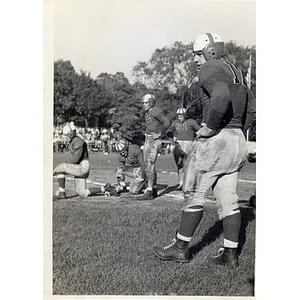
(238, 77)
(147, 117)
(181, 127)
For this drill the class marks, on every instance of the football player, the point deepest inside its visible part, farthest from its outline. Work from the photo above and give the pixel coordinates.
(218, 155)
(156, 125)
(131, 164)
(78, 166)
(184, 132)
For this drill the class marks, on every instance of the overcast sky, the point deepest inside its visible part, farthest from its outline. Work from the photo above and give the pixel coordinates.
(113, 35)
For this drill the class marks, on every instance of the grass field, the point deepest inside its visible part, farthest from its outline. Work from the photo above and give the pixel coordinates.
(102, 245)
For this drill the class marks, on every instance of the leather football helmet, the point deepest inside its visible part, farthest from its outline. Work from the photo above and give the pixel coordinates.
(181, 111)
(210, 44)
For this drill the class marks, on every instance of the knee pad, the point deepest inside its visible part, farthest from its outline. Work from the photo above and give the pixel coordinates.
(83, 194)
(228, 211)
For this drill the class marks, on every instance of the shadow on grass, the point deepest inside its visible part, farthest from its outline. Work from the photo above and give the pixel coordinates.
(167, 189)
(216, 230)
(68, 198)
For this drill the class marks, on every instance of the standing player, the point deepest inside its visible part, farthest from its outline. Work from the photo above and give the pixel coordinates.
(130, 163)
(218, 156)
(78, 166)
(156, 125)
(184, 132)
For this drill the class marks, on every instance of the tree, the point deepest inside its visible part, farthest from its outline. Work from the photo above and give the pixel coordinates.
(240, 56)
(77, 97)
(111, 101)
(64, 81)
(125, 101)
(171, 75)
(170, 68)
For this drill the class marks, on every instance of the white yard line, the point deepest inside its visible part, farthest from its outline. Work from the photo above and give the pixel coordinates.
(165, 172)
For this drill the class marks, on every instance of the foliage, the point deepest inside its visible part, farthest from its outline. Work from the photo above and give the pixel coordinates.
(112, 101)
(240, 56)
(77, 97)
(169, 67)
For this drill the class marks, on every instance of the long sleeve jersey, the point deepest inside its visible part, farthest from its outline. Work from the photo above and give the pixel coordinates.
(134, 157)
(184, 131)
(156, 121)
(78, 149)
(225, 97)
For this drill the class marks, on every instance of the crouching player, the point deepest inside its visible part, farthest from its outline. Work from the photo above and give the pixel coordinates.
(130, 163)
(78, 166)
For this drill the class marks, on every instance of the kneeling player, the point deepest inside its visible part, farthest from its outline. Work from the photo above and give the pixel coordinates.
(78, 166)
(131, 164)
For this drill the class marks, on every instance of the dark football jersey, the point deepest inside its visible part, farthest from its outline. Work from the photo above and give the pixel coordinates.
(224, 95)
(133, 158)
(156, 121)
(184, 131)
(78, 149)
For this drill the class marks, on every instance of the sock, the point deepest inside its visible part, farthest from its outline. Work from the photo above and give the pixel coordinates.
(189, 222)
(95, 190)
(230, 244)
(231, 227)
(180, 175)
(61, 181)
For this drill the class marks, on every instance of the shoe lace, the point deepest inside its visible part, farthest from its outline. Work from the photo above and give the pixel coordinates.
(219, 253)
(169, 246)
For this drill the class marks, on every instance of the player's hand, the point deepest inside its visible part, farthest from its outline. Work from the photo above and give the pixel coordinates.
(204, 131)
(172, 147)
(154, 136)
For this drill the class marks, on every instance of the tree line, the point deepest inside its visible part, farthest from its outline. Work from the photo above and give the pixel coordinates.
(111, 100)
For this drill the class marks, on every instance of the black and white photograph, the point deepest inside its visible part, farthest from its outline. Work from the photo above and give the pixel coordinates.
(151, 178)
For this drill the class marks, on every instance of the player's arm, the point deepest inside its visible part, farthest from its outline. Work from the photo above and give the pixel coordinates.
(216, 86)
(165, 123)
(219, 103)
(171, 131)
(251, 111)
(120, 161)
(219, 96)
(195, 125)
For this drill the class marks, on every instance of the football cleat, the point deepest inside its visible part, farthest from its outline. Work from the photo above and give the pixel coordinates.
(60, 195)
(179, 188)
(121, 189)
(252, 201)
(148, 195)
(226, 256)
(109, 190)
(177, 251)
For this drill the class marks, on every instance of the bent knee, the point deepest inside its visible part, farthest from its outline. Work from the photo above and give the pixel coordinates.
(228, 210)
(83, 194)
